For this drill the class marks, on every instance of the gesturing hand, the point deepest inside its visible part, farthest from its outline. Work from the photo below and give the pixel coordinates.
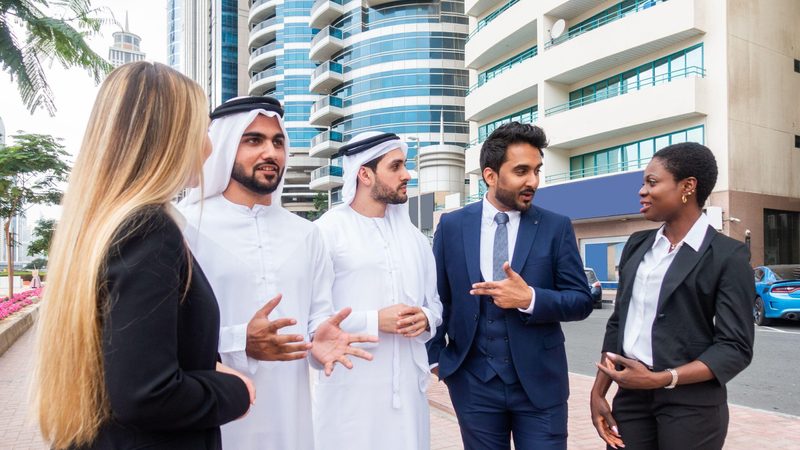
(332, 345)
(513, 292)
(265, 344)
(634, 374)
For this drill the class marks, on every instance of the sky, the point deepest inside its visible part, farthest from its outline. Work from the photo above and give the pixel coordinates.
(74, 90)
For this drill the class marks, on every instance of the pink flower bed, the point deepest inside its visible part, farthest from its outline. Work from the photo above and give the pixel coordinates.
(18, 301)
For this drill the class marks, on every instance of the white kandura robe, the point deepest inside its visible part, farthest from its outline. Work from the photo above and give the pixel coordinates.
(379, 404)
(249, 256)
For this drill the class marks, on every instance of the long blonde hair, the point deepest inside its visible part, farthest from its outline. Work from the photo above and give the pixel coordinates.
(142, 145)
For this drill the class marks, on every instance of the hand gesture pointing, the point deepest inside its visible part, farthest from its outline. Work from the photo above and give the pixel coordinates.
(513, 292)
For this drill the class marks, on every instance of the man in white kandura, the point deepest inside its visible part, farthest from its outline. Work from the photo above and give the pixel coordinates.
(384, 269)
(252, 249)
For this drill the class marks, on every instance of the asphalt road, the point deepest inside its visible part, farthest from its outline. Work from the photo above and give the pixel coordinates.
(771, 382)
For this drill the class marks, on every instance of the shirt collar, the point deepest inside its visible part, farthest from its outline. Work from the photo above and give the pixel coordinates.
(694, 238)
(489, 211)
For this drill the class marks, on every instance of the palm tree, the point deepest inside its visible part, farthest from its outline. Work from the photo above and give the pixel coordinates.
(47, 39)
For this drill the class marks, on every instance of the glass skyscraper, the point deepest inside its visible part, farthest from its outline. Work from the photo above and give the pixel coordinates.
(342, 67)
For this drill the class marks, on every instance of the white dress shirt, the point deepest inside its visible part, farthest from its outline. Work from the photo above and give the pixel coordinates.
(638, 340)
(488, 228)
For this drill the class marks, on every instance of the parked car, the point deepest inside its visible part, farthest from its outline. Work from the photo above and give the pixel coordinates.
(777, 293)
(596, 288)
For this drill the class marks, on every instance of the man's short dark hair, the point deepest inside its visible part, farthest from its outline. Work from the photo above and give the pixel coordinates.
(690, 159)
(373, 164)
(493, 152)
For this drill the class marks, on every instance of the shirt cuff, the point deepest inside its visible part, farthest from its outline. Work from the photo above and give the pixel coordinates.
(434, 365)
(529, 309)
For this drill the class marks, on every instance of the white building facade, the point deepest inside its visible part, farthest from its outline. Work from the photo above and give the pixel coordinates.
(626, 78)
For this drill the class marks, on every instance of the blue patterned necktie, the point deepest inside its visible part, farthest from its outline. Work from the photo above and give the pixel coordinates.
(500, 252)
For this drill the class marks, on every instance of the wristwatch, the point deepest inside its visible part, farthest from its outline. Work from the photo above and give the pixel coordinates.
(674, 382)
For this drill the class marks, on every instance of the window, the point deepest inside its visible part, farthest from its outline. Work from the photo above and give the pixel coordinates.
(781, 237)
(629, 156)
(797, 65)
(796, 141)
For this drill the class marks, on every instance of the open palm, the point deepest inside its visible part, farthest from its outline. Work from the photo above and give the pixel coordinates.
(332, 345)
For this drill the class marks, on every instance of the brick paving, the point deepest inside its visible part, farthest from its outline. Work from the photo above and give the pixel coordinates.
(749, 428)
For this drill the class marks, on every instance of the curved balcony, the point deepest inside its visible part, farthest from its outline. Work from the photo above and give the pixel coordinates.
(264, 32)
(264, 81)
(325, 144)
(261, 9)
(302, 161)
(325, 110)
(327, 42)
(324, 11)
(326, 77)
(326, 178)
(264, 56)
(476, 8)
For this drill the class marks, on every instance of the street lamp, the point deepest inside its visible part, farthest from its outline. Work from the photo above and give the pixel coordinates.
(419, 183)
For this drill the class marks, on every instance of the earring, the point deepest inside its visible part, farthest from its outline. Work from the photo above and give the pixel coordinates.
(684, 199)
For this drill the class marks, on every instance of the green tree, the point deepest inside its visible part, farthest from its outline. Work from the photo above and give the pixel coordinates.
(42, 234)
(320, 206)
(30, 172)
(37, 263)
(47, 39)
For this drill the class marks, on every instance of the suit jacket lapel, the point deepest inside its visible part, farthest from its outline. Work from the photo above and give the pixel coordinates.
(684, 262)
(528, 226)
(471, 234)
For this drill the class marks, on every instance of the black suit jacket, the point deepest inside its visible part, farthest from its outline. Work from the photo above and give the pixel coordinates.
(159, 347)
(705, 313)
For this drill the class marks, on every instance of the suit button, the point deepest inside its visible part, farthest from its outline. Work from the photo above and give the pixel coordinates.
(491, 321)
(505, 360)
(505, 338)
(476, 317)
(661, 316)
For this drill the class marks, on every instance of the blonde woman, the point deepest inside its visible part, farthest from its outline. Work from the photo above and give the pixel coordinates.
(127, 351)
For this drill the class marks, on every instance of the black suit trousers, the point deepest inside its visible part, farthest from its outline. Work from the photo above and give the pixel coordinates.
(648, 424)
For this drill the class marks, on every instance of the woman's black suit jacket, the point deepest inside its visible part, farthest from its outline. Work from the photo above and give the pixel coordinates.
(705, 312)
(159, 347)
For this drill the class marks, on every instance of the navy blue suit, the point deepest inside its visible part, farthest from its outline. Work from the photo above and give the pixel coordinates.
(546, 257)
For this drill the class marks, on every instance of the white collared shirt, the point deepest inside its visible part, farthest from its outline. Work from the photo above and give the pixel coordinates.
(638, 340)
(488, 228)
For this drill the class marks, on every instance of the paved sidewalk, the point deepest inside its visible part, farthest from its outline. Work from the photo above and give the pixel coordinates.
(749, 428)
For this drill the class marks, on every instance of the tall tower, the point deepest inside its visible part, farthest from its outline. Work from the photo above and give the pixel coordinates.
(126, 47)
(203, 42)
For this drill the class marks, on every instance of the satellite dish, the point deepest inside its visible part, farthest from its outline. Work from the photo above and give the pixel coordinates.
(558, 29)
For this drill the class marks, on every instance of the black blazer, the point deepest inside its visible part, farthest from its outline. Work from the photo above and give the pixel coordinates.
(159, 348)
(705, 312)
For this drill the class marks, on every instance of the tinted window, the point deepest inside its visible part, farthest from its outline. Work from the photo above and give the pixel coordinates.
(591, 276)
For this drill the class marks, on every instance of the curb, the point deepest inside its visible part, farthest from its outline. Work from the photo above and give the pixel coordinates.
(13, 327)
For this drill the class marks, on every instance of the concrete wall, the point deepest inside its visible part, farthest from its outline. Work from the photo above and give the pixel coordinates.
(764, 95)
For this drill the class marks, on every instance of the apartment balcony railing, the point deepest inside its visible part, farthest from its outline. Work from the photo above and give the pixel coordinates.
(264, 24)
(325, 144)
(488, 19)
(531, 118)
(327, 171)
(325, 77)
(625, 86)
(325, 110)
(639, 5)
(605, 169)
(485, 77)
(324, 11)
(326, 42)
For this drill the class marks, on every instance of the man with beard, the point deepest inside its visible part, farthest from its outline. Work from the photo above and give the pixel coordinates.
(251, 249)
(384, 270)
(508, 272)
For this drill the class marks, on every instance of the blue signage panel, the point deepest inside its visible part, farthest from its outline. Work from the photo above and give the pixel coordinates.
(614, 195)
